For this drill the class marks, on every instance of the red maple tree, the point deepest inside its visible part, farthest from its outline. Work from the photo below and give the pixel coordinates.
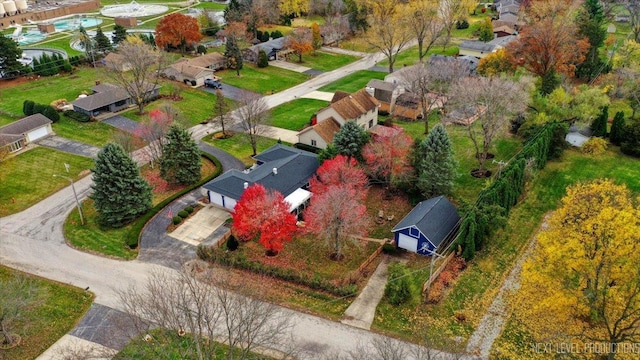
(177, 30)
(387, 157)
(342, 171)
(264, 215)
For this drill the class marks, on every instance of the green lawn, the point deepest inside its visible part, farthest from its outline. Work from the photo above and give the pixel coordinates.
(59, 307)
(324, 61)
(354, 82)
(93, 133)
(295, 114)
(28, 178)
(410, 56)
(239, 146)
(473, 292)
(59, 42)
(6, 119)
(211, 6)
(262, 80)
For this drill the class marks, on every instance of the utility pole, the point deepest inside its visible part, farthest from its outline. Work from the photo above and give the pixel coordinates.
(66, 166)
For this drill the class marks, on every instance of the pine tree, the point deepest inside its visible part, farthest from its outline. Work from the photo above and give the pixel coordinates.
(617, 129)
(103, 44)
(350, 140)
(120, 194)
(599, 124)
(180, 162)
(119, 34)
(435, 165)
(591, 22)
(263, 61)
(10, 52)
(233, 55)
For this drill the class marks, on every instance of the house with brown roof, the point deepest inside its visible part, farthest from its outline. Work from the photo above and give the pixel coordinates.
(18, 134)
(194, 71)
(115, 61)
(360, 107)
(503, 30)
(109, 98)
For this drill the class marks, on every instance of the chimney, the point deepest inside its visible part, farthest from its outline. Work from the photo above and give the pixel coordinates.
(275, 171)
(246, 185)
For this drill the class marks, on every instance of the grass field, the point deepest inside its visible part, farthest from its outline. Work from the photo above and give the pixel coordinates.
(410, 56)
(93, 133)
(472, 293)
(57, 309)
(262, 80)
(211, 6)
(239, 146)
(295, 114)
(324, 61)
(28, 178)
(354, 82)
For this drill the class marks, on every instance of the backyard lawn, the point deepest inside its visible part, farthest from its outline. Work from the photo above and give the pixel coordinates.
(57, 309)
(93, 133)
(262, 80)
(28, 178)
(467, 300)
(410, 56)
(324, 61)
(354, 82)
(295, 114)
(239, 146)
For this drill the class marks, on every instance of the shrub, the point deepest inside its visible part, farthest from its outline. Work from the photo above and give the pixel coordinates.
(189, 209)
(389, 249)
(464, 24)
(398, 289)
(276, 34)
(80, 117)
(201, 49)
(594, 146)
(27, 107)
(306, 147)
(183, 214)
(263, 61)
(232, 243)
(176, 220)
(631, 140)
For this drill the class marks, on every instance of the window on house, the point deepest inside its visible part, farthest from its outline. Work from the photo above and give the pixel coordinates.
(370, 123)
(414, 232)
(314, 143)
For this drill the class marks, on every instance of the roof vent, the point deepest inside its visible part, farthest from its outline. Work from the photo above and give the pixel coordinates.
(246, 185)
(275, 171)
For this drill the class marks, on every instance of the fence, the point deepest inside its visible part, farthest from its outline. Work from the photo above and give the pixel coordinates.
(434, 275)
(370, 259)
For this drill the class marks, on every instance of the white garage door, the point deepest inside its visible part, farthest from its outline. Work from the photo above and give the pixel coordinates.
(407, 243)
(37, 134)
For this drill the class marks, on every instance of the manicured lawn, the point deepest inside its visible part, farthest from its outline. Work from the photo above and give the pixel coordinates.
(5, 119)
(470, 296)
(354, 82)
(28, 178)
(410, 56)
(262, 80)
(57, 311)
(60, 42)
(91, 237)
(239, 146)
(93, 133)
(324, 61)
(46, 89)
(295, 114)
(211, 6)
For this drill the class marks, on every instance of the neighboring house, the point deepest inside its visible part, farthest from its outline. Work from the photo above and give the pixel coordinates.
(509, 17)
(480, 49)
(281, 168)
(116, 61)
(360, 107)
(385, 93)
(15, 136)
(275, 50)
(408, 106)
(503, 30)
(427, 226)
(194, 71)
(399, 77)
(214, 61)
(109, 98)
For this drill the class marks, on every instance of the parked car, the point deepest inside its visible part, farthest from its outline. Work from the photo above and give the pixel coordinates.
(212, 83)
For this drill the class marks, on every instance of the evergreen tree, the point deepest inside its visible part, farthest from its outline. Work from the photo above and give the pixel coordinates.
(10, 52)
(263, 61)
(630, 144)
(27, 107)
(275, 34)
(486, 30)
(591, 21)
(350, 140)
(599, 124)
(233, 55)
(435, 165)
(233, 12)
(120, 194)
(119, 34)
(549, 82)
(180, 163)
(617, 129)
(102, 42)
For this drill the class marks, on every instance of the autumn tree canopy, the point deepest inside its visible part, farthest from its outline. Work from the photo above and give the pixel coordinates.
(581, 283)
(177, 30)
(300, 41)
(387, 158)
(340, 171)
(264, 215)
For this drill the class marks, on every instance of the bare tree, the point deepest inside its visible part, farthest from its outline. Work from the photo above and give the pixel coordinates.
(252, 116)
(452, 11)
(203, 315)
(128, 141)
(152, 130)
(426, 25)
(431, 83)
(389, 30)
(220, 110)
(16, 296)
(386, 348)
(633, 8)
(138, 75)
(490, 101)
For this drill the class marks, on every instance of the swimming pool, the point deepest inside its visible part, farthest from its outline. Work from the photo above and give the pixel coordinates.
(31, 37)
(73, 24)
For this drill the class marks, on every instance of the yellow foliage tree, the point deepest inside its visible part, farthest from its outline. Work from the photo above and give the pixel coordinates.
(497, 62)
(581, 285)
(288, 7)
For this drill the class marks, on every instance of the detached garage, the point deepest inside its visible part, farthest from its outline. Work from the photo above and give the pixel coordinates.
(24, 131)
(427, 226)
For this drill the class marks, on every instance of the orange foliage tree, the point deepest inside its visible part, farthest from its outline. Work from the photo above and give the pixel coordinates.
(387, 158)
(177, 30)
(300, 41)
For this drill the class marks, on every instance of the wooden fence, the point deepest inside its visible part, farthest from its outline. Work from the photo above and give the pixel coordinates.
(370, 259)
(224, 239)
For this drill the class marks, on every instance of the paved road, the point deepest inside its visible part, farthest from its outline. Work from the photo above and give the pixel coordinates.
(70, 146)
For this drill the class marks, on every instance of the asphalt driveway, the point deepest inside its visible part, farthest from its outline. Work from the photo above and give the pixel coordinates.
(70, 146)
(122, 123)
(231, 92)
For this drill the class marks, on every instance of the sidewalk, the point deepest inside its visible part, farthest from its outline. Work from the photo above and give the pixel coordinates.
(343, 51)
(362, 310)
(289, 66)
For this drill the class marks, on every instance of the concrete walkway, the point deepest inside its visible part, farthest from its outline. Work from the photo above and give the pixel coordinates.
(277, 133)
(318, 95)
(289, 66)
(70, 146)
(362, 310)
(343, 51)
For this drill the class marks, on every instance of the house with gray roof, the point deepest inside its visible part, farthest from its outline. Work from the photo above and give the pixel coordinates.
(109, 98)
(428, 225)
(18, 134)
(281, 168)
(385, 92)
(275, 50)
(480, 49)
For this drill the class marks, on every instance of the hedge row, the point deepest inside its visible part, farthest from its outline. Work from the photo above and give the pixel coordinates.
(80, 117)
(239, 261)
(133, 237)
